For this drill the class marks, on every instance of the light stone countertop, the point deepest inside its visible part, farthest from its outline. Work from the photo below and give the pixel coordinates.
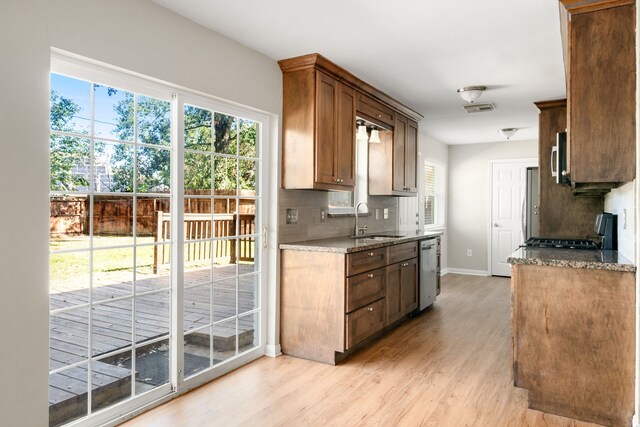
(347, 245)
(572, 258)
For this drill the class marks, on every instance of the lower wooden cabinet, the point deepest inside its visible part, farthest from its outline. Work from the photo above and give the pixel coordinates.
(402, 289)
(364, 322)
(331, 302)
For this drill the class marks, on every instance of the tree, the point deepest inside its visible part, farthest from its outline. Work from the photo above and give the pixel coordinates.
(66, 152)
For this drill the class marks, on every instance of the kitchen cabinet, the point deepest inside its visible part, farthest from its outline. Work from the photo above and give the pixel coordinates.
(373, 111)
(320, 101)
(573, 341)
(400, 149)
(319, 125)
(601, 93)
(332, 303)
(560, 213)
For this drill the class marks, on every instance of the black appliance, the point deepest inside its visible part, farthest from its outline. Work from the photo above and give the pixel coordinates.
(559, 159)
(552, 242)
(607, 227)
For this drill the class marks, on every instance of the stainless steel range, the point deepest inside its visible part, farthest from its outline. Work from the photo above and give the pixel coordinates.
(542, 242)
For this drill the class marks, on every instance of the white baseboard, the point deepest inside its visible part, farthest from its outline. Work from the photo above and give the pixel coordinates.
(635, 422)
(273, 350)
(464, 271)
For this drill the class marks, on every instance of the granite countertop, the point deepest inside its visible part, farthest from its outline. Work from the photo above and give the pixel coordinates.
(573, 258)
(347, 245)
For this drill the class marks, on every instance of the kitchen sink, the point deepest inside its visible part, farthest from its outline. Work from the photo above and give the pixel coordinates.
(376, 237)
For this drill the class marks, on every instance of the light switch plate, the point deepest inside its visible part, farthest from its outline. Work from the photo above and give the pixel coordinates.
(386, 213)
(377, 213)
(292, 216)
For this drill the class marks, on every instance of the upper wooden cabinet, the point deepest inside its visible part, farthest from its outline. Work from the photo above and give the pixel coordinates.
(601, 92)
(319, 130)
(320, 101)
(400, 148)
(559, 212)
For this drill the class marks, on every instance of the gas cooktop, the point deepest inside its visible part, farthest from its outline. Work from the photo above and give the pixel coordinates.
(543, 242)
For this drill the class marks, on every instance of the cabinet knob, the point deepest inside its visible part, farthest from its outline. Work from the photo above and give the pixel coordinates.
(405, 264)
(370, 275)
(379, 116)
(564, 173)
(370, 308)
(371, 254)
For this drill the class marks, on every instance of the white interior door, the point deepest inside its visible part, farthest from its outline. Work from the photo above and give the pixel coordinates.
(508, 190)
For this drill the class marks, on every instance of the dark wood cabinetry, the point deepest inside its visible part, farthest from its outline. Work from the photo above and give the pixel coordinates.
(560, 212)
(601, 92)
(320, 101)
(400, 149)
(332, 303)
(319, 122)
(402, 282)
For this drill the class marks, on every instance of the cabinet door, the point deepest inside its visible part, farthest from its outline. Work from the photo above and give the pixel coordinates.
(393, 299)
(325, 128)
(346, 136)
(409, 285)
(601, 91)
(411, 158)
(399, 142)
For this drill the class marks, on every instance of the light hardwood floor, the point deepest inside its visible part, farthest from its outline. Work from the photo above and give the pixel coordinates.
(450, 366)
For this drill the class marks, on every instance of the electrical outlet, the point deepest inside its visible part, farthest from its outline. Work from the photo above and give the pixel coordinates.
(323, 215)
(469, 253)
(385, 213)
(292, 216)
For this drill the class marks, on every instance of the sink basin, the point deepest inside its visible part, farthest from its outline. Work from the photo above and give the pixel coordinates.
(376, 237)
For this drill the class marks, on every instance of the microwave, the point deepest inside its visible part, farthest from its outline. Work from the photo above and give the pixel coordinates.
(559, 159)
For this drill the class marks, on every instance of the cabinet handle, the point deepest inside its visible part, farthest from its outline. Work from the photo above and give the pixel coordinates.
(371, 254)
(370, 308)
(337, 180)
(405, 264)
(370, 275)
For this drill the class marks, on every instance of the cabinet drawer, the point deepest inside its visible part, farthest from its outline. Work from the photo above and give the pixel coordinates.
(365, 322)
(401, 252)
(374, 110)
(359, 262)
(365, 288)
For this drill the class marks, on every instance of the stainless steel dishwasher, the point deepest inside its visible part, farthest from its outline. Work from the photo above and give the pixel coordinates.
(428, 272)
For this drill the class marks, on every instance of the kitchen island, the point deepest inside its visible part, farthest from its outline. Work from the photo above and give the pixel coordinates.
(573, 332)
(338, 294)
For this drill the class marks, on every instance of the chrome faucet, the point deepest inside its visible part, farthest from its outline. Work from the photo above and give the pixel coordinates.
(359, 231)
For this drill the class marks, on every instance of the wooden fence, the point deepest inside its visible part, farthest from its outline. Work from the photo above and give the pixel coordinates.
(207, 237)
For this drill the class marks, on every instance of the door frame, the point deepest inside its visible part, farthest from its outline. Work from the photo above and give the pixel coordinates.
(534, 162)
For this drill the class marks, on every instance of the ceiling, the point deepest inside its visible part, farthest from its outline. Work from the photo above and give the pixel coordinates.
(417, 51)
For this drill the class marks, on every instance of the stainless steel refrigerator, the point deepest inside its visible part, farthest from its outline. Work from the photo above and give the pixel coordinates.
(530, 223)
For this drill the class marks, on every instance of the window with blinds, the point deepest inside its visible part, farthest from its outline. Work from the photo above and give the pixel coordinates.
(430, 200)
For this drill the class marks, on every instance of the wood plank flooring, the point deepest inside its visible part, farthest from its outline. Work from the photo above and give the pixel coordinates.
(450, 366)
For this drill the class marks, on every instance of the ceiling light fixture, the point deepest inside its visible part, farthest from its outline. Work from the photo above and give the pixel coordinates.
(361, 135)
(471, 93)
(375, 136)
(508, 132)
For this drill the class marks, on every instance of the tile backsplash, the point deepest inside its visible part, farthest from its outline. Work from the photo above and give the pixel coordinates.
(310, 226)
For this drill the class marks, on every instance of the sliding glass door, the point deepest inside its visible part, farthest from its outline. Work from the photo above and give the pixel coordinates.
(156, 214)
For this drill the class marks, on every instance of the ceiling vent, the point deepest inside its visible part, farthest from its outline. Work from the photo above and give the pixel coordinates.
(478, 108)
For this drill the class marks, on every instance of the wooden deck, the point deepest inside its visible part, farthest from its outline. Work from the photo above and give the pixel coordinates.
(112, 330)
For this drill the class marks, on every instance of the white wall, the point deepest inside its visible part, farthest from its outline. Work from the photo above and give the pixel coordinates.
(433, 150)
(135, 35)
(617, 202)
(24, 216)
(468, 198)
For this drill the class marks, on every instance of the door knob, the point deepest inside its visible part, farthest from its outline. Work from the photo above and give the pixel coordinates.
(495, 224)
